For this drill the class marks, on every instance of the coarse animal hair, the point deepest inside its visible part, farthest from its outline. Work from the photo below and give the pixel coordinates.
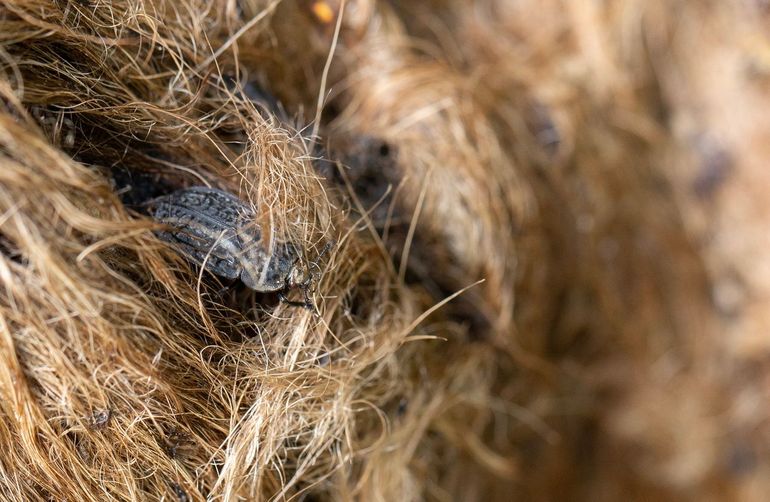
(549, 265)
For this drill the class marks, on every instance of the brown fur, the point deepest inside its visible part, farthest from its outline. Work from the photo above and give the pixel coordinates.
(599, 166)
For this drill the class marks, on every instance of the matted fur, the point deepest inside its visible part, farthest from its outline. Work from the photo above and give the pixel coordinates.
(592, 163)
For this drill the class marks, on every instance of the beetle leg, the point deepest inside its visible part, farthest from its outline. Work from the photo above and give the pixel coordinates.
(308, 304)
(306, 292)
(224, 289)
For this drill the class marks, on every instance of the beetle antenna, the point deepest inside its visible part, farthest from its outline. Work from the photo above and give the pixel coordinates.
(315, 274)
(326, 249)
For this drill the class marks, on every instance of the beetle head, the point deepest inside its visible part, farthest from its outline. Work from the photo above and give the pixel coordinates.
(303, 277)
(299, 277)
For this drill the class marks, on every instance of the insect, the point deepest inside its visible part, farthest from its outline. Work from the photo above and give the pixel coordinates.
(215, 229)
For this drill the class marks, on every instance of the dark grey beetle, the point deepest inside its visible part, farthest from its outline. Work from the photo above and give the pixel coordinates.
(216, 230)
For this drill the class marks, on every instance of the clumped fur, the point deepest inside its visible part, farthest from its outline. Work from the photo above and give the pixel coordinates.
(548, 277)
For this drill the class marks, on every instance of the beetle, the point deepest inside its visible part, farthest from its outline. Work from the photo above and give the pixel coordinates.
(215, 229)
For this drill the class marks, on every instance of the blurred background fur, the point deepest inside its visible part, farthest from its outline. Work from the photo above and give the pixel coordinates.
(600, 166)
